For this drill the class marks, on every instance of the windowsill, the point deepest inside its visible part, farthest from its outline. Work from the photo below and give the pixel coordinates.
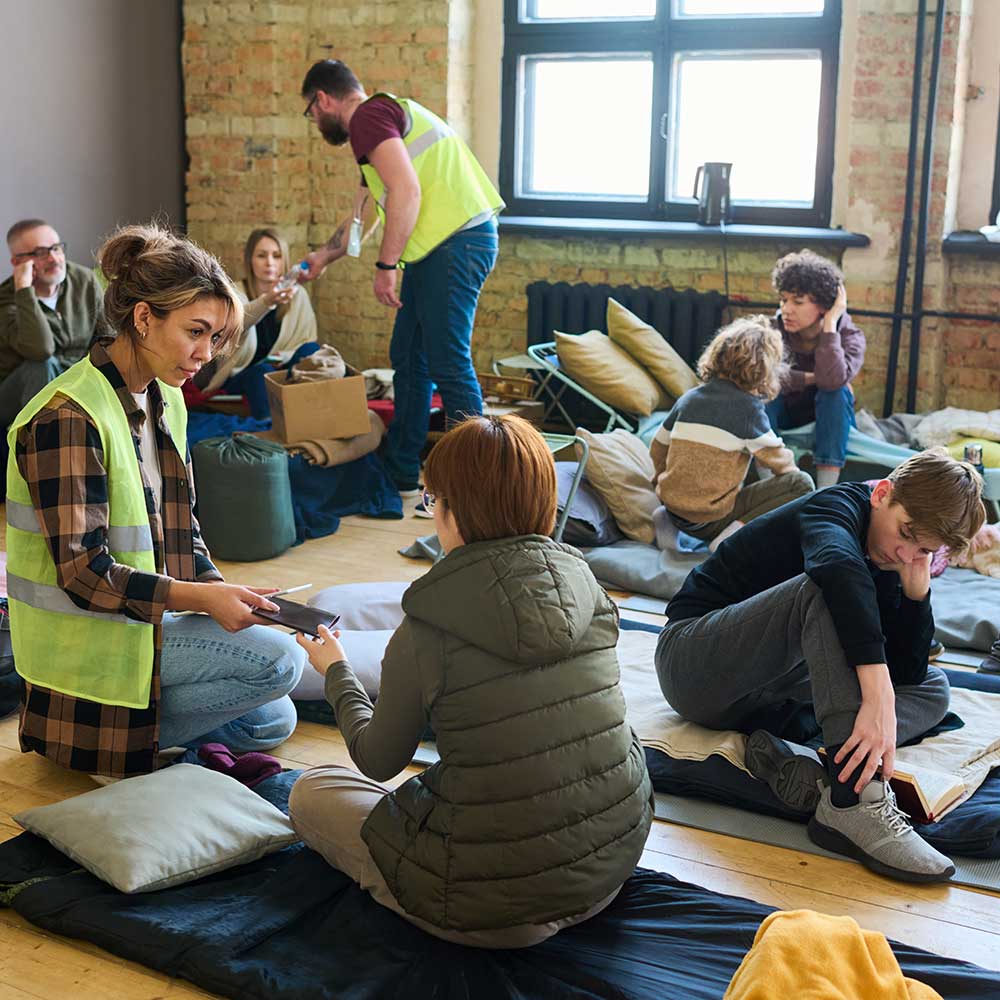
(560, 227)
(970, 243)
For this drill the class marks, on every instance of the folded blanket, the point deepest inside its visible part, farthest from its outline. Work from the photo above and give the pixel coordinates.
(324, 363)
(337, 451)
(801, 953)
(942, 426)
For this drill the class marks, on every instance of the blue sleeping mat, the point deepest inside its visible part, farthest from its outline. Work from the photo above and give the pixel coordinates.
(290, 927)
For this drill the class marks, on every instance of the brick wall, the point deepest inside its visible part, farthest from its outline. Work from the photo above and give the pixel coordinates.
(255, 160)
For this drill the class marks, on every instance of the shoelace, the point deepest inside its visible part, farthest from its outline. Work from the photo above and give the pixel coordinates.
(893, 817)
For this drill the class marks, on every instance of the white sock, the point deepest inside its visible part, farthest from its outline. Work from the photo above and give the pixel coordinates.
(826, 475)
(729, 529)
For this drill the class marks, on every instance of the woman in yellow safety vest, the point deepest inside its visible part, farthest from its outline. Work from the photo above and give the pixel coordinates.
(103, 543)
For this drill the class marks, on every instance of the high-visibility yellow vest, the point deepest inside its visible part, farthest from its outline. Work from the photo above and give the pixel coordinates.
(454, 189)
(106, 658)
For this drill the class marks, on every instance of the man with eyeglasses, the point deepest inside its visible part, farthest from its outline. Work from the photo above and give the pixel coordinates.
(50, 311)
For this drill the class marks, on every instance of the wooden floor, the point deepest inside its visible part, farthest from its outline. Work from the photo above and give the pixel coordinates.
(960, 923)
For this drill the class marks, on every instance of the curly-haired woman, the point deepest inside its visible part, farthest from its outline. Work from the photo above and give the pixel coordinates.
(826, 351)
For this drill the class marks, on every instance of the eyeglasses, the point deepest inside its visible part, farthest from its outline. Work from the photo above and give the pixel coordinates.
(39, 253)
(309, 107)
(429, 501)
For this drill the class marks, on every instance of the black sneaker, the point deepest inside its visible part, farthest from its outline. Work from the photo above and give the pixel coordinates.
(795, 779)
(936, 649)
(991, 665)
(421, 511)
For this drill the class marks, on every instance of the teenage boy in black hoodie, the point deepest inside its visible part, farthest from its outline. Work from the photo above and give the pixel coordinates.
(828, 599)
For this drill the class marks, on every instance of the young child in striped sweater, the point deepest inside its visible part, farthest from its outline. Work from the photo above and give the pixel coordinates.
(702, 452)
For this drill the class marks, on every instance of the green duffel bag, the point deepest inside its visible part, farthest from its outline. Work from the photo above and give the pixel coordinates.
(244, 497)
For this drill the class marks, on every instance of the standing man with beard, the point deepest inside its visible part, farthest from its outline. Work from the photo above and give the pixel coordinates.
(50, 311)
(439, 210)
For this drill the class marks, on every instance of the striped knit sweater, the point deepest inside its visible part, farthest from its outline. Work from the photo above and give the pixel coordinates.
(702, 452)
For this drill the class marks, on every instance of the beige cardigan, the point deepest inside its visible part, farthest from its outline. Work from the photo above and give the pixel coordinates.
(297, 328)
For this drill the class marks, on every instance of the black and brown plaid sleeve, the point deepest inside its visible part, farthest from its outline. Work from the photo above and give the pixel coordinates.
(60, 456)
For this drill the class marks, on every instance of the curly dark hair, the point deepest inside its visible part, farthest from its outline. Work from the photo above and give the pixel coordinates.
(806, 273)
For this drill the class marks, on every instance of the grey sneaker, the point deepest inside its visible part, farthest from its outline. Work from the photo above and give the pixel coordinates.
(876, 833)
(795, 778)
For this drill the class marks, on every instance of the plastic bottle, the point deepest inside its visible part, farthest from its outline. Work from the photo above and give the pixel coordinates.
(291, 279)
(354, 239)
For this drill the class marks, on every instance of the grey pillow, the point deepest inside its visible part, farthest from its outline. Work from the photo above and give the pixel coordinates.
(162, 829)
(590, 521)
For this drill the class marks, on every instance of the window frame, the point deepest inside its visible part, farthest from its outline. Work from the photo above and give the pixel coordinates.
(665, 36)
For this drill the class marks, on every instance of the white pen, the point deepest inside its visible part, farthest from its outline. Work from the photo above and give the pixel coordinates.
(277, 593)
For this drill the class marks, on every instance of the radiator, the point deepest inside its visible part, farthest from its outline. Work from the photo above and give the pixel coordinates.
(686, 319)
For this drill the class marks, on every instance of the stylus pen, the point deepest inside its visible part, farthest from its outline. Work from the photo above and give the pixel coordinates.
(277, 593)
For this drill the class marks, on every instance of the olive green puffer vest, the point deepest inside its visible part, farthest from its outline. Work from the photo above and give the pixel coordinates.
(540, 805)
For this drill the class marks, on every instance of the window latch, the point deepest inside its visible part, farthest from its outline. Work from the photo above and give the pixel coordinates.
(663, 125)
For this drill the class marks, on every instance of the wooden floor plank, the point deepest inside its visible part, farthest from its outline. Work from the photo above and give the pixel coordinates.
(952, 921)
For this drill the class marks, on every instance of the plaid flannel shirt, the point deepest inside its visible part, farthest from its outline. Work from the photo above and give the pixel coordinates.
(59, 454)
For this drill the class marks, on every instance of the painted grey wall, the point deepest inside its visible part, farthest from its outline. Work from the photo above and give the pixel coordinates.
(92, 122)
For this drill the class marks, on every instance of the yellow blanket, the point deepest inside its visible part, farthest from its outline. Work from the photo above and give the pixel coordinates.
(813, 956)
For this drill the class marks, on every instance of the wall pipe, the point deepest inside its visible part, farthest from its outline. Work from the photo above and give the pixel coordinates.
(903, 264)
(738, 303)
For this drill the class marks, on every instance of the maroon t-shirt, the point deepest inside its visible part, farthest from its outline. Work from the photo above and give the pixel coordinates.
(378, 119)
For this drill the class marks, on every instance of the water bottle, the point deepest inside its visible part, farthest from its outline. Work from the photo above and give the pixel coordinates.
(291, 279)
(354, 239)
(974, 456)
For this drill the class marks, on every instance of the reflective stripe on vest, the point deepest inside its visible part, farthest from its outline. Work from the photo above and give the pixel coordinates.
(455, 192)
(103, 657)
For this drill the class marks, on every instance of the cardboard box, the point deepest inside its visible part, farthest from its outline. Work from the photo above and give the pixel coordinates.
(327, 408)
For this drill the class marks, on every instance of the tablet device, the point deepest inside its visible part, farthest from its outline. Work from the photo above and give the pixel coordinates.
(300, 617)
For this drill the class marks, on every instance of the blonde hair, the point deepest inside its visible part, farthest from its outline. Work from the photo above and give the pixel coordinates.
(942, 496)
(749, 352)
(251, 244)
(168, 272)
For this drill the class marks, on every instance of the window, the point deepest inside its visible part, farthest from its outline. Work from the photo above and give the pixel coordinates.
(610, 107)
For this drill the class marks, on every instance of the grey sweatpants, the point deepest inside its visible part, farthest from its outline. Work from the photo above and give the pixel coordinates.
(753, 500)
(780, 644)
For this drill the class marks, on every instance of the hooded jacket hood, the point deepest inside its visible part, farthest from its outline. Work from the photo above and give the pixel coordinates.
(526, 599)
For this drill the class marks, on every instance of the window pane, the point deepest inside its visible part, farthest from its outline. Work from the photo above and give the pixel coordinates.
(747, 8)
(588, 10)
(581, 139)
(758, 112)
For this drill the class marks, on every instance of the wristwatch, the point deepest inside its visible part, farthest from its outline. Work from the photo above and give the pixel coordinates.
(382, 266)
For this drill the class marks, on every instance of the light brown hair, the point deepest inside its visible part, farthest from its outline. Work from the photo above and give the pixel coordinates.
(942, 496)
(248, 276)
(497, 477)
(152, 265)
(749, 352)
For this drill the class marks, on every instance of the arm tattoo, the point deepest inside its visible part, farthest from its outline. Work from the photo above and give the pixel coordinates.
(336, 241)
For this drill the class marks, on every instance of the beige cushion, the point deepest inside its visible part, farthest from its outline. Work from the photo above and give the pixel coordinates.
(609, 372)
(162, 829)
(649, 349)
(620, 469)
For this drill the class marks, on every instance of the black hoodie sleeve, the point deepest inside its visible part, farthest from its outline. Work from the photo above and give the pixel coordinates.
(908, 627)
(833, 527)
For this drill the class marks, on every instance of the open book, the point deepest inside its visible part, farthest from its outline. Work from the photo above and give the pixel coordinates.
(924, 794)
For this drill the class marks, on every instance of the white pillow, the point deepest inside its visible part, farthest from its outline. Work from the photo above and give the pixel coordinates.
(364, 653)
(363, 606)
(162, 829)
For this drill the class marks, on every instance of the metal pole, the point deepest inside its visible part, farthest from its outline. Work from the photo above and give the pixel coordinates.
(903, 265)
(926, 176)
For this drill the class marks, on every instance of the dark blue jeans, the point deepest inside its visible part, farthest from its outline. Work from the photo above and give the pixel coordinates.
(432, 343)
(250, 381)
(834, 416)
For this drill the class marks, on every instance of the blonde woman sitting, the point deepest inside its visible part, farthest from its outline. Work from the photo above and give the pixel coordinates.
(702, 452)
(279, 326)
